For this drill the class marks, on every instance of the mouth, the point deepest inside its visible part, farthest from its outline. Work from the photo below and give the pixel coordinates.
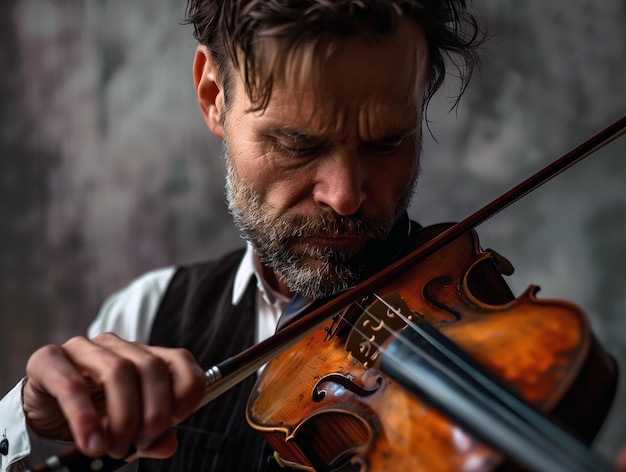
(350, 243)
(334, 239)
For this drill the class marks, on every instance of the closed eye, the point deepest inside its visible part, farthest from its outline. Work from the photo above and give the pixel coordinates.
(295, 144)
(298, 151)
(385, 146)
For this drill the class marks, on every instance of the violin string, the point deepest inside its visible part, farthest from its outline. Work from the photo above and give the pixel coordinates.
(512, 402)
(505, 402)
(438, 366)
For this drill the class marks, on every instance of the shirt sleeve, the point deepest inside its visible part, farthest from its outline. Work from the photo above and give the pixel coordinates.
(14, 431)
(128, 313)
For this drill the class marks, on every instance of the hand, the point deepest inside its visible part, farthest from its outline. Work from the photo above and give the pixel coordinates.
(107, 394)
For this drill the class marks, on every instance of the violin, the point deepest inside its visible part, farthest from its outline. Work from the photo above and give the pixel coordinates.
(429, 365)
(346, 392)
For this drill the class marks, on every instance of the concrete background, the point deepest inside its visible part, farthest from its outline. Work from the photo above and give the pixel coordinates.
(107, 170)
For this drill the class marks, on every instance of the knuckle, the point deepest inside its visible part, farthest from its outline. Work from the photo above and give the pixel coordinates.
(106, 339)
(76, 341)
(154, 364)
(185, 355)
(48, 351)
(72, 385)
(119, 367)
(194, 389)
(197, 373)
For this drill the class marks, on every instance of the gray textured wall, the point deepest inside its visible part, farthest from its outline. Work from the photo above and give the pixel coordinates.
(106, 169)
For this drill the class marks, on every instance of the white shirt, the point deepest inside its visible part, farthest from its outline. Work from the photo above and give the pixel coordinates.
(130, 314)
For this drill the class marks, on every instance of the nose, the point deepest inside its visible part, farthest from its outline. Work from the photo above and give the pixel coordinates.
(340, 183)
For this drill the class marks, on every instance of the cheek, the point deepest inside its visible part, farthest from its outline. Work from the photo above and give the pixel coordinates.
(248, 161)
(278, 187)
(392, 180)
(286, 190)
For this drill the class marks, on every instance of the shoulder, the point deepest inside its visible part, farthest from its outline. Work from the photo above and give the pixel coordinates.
(130, 312)
(214, 269)
(203, 283)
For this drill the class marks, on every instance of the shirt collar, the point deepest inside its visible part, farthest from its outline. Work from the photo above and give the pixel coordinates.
(249, 268)
(245, 272)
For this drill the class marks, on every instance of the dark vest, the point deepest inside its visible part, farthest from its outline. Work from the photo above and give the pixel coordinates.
(196, 313)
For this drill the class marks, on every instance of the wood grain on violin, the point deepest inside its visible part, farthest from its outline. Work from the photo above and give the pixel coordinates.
(322, 403)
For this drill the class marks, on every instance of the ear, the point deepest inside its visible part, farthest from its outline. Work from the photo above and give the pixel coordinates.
(209, 91)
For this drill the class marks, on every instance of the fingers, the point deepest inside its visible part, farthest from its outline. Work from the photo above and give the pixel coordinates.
(188, 380)
(172, 386)
(138, 392)
(56, 390)
(143, 390)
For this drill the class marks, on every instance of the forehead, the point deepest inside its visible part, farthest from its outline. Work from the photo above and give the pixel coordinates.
(369, 83)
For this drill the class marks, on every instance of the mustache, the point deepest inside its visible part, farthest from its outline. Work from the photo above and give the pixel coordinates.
(330, 223)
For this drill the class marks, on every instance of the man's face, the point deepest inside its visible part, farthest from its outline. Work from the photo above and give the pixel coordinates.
(328, 167)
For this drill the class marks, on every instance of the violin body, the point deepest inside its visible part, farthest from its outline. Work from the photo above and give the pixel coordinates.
(323, 403)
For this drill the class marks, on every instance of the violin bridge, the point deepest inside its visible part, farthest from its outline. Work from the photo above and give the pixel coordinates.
(379, 321)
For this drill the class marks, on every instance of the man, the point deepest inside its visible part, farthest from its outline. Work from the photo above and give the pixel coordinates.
(320, 107)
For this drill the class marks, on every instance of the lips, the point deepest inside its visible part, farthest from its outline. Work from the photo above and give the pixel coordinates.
(332, 240)
(323, 245)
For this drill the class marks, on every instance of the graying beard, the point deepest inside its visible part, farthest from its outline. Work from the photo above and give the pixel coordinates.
(300, 278)
(313, 282)
(333, 276)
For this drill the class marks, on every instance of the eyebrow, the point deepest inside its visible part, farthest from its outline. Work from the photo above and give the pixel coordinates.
(303, 136)
(404, 132)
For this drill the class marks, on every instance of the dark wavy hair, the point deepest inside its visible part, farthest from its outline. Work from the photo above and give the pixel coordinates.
(234, 30)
